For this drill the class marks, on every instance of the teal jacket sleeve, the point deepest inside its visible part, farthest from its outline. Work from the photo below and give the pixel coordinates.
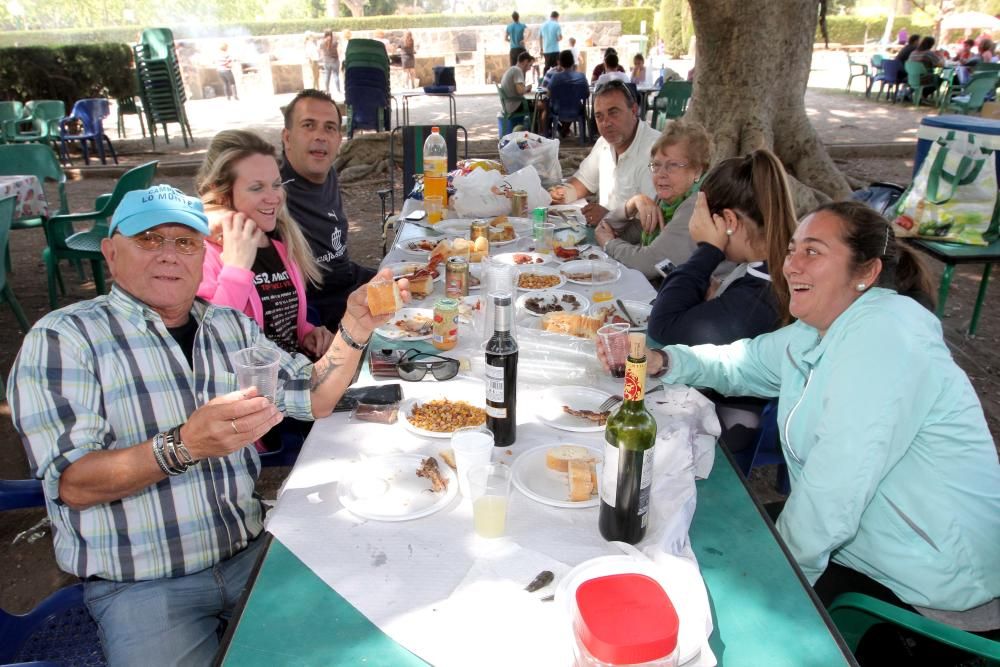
(748, 367)
(858, 417)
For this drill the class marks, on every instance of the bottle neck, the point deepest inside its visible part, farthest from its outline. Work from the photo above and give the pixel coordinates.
(501, 319)
(635, 381)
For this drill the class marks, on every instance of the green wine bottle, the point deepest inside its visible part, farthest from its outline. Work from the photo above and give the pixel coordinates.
(628, 456)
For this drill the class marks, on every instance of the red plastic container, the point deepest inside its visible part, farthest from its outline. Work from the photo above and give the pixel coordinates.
(624, 619)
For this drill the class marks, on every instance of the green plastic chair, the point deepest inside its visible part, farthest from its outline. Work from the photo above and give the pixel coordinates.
(65, 243)
(43, 116)
(6, 293)
(856, 69)
(974, 94)
(854, 614)
(521, 114)
(10, 112)
(914, 72)
(40, 161)
(671, 102)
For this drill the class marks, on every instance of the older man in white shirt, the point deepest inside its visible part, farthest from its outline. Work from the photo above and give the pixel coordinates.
(618, 166)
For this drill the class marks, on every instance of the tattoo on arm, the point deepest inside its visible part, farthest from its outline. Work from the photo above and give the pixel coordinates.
(327, 364)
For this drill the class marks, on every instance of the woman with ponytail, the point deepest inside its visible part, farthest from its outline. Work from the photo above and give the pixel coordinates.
(743, 214)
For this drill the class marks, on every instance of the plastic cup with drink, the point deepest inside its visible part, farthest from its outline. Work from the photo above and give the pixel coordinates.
(258, 367)
(489, 485)
(613, 339)
(434, 205)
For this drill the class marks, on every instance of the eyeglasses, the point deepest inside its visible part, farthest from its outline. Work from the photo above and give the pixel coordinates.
(668, 167)
(415, 364)
(151, 241)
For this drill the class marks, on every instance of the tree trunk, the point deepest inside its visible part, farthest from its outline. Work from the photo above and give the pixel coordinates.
(332, 9)
(356, 7)
(751, 69)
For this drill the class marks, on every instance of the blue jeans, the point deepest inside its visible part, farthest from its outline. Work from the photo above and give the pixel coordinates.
(331, 68)
(174, 621)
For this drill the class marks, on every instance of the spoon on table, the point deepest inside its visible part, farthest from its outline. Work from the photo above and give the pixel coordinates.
(628, 316)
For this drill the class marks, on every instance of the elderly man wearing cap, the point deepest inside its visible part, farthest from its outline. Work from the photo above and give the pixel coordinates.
(129, 410)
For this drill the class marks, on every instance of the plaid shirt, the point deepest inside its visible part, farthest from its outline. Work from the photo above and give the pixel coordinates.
(107, 374)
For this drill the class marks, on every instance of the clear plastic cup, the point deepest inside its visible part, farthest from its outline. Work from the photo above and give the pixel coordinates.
(473, 446)
(489, 485)
(434, 206)
(613, 339)
(258, 367)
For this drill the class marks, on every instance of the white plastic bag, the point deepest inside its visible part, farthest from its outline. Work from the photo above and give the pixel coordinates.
(481, 193)
(520, 149)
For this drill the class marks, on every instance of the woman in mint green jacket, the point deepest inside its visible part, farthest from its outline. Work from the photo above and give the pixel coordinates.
(894, 475)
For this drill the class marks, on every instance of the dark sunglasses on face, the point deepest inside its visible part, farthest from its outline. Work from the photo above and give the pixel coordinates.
(415, 364)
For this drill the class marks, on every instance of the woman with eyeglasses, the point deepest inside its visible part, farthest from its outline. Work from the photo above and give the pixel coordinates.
(645, 233)
(256, 259)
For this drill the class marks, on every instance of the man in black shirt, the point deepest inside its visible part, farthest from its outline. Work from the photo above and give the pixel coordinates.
(311, 141)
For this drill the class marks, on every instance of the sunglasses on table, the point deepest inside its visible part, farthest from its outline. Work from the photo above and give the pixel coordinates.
(414, 366)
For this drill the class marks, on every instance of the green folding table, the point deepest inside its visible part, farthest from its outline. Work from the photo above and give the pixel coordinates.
(764, 612)
(953, 254)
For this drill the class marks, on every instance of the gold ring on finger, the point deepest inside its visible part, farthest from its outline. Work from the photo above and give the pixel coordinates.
(232, 423)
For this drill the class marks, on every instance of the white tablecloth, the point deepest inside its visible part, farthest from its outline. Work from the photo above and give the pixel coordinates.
(418, 580)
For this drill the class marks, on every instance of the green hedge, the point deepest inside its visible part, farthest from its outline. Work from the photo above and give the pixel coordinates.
(66, 73)
(851, 29)
(629, 17)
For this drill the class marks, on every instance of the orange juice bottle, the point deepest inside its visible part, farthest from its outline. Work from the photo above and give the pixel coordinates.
(436, 166)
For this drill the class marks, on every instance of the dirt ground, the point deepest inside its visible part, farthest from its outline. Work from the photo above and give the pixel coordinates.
(30, 571)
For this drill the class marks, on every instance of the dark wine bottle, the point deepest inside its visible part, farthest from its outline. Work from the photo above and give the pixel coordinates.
(501, 374)
(628, 456)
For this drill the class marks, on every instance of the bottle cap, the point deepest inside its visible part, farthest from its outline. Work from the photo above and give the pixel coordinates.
(435, 129)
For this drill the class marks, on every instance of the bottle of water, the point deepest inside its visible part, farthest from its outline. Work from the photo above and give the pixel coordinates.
(436, 166)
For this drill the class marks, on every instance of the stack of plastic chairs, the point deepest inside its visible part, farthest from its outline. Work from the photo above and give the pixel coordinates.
(160, 85)
(366, 86)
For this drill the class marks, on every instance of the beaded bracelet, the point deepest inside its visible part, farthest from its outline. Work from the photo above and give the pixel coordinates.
(348, 339)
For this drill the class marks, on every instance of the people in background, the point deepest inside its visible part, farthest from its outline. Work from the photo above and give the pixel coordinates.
(550, 34)
(911, 46)
(311, 140)
(896, 498)
(602, 67)
(515, 34)
(650, 234)
(329, 51)
(408, 58)
(965, 53)
(638, 74)
(612, 70)
(130, 413)
(512, 83)
(618, 166)
(564, 74)
(311, 45)
(575, 51)
(224, 66)
(926, 55)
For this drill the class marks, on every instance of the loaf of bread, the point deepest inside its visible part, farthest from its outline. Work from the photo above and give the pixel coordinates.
(581, 481)
(571, 324)
(383, 297)
(421, 285)
(558, 458)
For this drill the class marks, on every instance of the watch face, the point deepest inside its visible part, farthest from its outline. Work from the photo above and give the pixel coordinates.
(665, 267)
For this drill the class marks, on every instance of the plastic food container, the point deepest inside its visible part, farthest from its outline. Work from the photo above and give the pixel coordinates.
(624, 620)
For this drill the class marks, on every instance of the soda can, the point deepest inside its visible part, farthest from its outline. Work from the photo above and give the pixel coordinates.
(479, 229)
(518, 203)
(456, 277)
(444, 335)
(538, 218)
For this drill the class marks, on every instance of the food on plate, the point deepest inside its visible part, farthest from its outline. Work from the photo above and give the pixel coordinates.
(558, 458)
(429, 470)
(444, 416)
(571, 324)
(379, 414)
(581, 479)
(448, 456)
(421, 283)
(421, 245)
(474, 250)
(468, 307)
(610, 315)
(541, 580)
(549, 304)
(591, 254)
(501, 230)
(417, 325)
(600, 418)
(383, 297)
(590, 277)
(521, 258)
(529, 280)
(473, 280)
(567, 253)
(499, 221)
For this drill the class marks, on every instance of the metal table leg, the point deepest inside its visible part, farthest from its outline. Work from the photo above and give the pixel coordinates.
(949, 269)
(979, 299)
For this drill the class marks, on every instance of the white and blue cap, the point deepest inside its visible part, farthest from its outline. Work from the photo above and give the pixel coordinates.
(141, 210)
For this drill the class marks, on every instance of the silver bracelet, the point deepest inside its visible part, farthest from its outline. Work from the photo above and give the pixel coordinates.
(160, 458)
(182, 452)
(349, 339)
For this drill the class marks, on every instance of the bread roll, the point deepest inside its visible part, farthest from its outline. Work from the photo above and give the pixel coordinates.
(581, 483)
(383, 297)
(422, 285)
(448, 456)
(558, 458)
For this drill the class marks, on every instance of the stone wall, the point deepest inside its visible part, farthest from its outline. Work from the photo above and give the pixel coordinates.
(478, 53)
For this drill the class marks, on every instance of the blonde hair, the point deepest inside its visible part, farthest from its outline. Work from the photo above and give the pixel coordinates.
(695, 138)
(215, 180)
